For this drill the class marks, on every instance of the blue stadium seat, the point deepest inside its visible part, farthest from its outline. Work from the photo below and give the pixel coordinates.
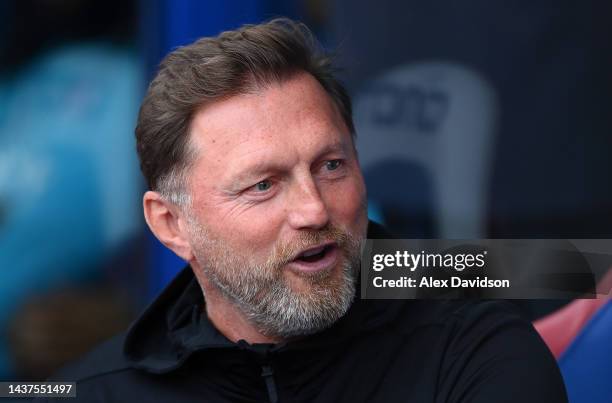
(586, 365)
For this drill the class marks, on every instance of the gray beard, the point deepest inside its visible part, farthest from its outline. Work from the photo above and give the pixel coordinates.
(278, 311)
(262, 294)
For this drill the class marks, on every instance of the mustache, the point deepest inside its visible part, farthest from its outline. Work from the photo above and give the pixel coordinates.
(286, 252)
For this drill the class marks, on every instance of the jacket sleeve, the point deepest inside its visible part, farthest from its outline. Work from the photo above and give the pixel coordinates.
(497, 356)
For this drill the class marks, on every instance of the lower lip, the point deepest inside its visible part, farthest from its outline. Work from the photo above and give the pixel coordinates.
(327, 262)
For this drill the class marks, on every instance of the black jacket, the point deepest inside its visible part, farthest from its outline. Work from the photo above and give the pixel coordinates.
(417, 351)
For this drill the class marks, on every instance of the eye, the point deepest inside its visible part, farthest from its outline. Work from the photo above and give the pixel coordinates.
(261, 191)
(333, 165)
(262, 186)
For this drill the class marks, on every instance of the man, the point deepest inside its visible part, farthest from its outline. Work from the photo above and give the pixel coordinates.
(246, 141)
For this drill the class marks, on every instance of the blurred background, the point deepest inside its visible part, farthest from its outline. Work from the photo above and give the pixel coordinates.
(475, 119)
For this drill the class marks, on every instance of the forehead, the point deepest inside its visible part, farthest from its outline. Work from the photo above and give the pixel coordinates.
(282, 121)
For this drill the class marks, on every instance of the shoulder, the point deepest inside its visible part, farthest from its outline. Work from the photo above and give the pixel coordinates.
(491, 351)
(473, 350)
(452, 325)
(469, 328)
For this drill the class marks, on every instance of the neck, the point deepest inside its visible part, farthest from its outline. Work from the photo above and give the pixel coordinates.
(227, 318)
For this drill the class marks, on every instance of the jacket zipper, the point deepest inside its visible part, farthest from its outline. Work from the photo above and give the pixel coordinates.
(267, 373)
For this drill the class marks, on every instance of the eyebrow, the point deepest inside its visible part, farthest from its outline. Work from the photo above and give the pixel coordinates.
(249, 174)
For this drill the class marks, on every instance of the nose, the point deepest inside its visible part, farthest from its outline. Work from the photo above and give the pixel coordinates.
(306, 209)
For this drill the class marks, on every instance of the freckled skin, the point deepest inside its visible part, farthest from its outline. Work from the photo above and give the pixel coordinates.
(286, 127)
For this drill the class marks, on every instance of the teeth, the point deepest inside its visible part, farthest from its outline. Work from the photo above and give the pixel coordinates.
(313, 252)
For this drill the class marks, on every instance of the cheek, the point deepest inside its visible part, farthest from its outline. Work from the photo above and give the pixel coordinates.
(252, 232)
(346, 202)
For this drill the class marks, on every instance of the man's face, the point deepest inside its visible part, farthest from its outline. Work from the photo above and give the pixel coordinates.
(278, 206)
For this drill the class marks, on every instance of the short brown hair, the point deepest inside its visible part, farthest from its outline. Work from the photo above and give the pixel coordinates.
(233, 63)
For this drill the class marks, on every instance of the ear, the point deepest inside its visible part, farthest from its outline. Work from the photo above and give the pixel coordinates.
(167, 224)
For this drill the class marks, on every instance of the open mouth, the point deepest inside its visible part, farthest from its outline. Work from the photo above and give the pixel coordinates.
(320, 258)
(315, 254)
